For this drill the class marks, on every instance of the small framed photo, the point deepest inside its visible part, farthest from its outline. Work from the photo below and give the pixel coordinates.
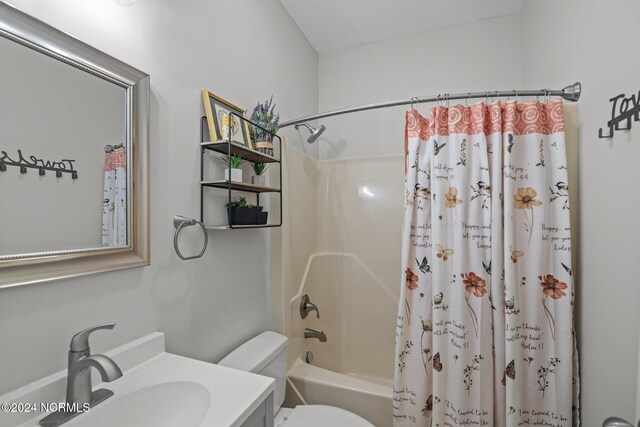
(224, 126)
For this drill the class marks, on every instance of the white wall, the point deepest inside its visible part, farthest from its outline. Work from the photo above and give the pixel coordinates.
(242, 50)
(596, 43)
(484, 55)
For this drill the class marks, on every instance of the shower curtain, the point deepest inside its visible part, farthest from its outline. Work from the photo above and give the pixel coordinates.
(485, 322)
(114, 206)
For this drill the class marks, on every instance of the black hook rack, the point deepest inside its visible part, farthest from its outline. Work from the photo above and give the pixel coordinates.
(628, 108)
(60, 167)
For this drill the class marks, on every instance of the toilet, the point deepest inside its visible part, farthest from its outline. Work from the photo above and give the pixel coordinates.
(266, 355)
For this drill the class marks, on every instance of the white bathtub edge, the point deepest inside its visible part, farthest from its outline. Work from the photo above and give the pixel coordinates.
(318, 386)
(309, 373)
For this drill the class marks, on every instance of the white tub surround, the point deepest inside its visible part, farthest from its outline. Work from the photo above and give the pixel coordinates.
(159, 383)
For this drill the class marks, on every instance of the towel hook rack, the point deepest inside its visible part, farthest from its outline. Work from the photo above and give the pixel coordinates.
(180, 222)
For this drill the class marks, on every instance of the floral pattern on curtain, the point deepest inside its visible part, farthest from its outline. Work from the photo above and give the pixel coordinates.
(114, 206)
(485, 323)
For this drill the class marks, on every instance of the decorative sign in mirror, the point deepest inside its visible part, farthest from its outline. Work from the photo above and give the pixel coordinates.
(73, 156)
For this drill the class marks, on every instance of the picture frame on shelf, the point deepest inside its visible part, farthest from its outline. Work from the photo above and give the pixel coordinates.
(217, 111)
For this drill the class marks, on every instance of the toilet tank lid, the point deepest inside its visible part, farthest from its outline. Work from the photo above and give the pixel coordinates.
(256, 353)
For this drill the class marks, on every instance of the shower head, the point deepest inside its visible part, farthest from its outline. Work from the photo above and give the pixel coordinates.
(315, 133)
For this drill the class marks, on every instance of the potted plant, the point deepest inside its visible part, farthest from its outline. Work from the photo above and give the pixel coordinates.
(260, 177)
(264, 116)
(233, 164)
(261, 217)
(240, 213)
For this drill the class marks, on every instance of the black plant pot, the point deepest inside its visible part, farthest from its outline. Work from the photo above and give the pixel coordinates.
(242, 216)
(261, 217)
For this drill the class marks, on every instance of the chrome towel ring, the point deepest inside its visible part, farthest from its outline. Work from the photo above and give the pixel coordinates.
(180, 222)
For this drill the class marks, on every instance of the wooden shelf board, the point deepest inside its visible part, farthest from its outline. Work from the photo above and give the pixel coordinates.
(241, 186)
(239, 150)
(227, 227)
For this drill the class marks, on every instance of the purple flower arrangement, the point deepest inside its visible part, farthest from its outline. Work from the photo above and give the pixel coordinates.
(265, 116)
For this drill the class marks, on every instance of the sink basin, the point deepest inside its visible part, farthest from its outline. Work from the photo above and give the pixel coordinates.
(158, 389)
(170, 404)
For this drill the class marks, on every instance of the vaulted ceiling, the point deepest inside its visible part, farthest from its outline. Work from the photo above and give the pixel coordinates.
(336, 24)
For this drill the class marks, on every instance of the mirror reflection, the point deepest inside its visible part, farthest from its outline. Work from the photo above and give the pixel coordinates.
(63, 156)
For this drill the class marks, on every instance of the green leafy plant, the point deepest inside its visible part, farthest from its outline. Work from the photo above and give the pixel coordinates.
(265, 116)
(259, 208)
(259, 168)
(235, 161)
(240, 203)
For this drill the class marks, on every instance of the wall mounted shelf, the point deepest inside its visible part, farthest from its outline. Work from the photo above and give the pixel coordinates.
(231, 147)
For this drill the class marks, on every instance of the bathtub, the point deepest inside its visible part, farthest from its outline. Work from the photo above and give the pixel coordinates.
(353, 369)
(370, 398)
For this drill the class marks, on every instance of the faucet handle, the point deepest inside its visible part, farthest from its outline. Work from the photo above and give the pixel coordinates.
(80, 341)
(306, 306)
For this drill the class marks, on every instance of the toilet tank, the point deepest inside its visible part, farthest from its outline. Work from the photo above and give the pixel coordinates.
(265, 355)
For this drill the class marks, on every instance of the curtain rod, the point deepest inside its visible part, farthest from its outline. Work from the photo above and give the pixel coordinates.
(569, 93)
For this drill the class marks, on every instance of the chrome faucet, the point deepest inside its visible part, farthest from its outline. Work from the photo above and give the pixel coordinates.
(80, 396)
(312, 333)
(306, 307)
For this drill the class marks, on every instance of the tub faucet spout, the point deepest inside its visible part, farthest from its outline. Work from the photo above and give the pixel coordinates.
(312, 333)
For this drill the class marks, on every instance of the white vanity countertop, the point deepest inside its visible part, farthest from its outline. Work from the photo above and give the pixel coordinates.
(234, 395)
